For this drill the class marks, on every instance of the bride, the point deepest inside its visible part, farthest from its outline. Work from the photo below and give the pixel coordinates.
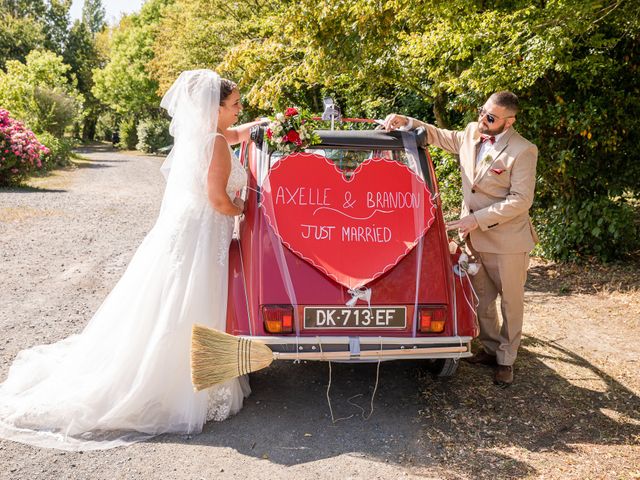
(126, 376)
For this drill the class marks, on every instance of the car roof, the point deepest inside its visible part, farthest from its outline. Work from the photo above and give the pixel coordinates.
(378, 139)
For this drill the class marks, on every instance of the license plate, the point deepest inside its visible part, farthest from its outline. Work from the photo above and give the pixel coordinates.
(355, 317)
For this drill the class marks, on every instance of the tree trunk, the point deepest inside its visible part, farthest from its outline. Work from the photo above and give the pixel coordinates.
(89, 128)
(439, 111)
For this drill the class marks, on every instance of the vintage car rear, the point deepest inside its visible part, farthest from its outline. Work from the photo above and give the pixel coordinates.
(420, 308)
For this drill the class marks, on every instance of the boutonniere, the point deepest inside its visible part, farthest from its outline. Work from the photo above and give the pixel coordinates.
(487, 159)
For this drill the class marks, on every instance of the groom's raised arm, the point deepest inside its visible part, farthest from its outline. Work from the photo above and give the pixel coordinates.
(449, 140)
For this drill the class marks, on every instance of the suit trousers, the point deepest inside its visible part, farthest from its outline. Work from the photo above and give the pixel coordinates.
(504, 275)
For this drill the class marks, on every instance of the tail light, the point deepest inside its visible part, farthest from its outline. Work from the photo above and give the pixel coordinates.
(431, 319)
(278, 318)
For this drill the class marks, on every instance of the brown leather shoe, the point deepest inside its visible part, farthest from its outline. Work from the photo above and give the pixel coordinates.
(482, 358)
(503, 375)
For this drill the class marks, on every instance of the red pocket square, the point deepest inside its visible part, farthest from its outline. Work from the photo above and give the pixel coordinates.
(497, 171)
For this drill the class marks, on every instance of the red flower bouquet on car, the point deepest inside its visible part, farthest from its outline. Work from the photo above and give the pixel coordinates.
(288, 132)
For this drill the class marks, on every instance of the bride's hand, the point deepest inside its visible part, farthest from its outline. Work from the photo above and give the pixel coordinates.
(238, 202)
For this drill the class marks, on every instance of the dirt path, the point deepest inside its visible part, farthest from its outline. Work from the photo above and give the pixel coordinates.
(574, 411)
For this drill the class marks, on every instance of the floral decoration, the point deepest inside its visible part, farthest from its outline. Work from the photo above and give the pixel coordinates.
(20, 150)
(289, 132)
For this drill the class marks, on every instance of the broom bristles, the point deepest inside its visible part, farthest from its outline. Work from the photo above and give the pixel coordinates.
(217, 356)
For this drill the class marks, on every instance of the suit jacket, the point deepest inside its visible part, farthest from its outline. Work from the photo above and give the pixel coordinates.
(498, 191)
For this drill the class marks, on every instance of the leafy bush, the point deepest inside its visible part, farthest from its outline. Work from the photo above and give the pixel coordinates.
(40, 93)
(128, 134)
(20, 151)
(54, 110)
(153, 134)
(601, 227)
(60, 150)
(449, 182)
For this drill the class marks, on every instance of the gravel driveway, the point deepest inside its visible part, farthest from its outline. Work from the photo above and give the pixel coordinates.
(66, 240)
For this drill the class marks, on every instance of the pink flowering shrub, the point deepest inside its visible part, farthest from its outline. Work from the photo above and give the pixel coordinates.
(20, 151)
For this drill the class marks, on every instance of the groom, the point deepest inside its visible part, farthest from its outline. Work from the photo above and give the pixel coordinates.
(498, 168)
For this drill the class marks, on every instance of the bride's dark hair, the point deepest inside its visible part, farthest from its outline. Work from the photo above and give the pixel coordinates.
(226, 87)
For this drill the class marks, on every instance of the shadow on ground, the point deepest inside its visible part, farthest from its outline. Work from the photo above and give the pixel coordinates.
(94, 164)
(460, 425)
(96, 148)
(585, 278)
(30, 189)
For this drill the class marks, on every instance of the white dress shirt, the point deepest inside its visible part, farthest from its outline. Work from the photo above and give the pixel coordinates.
(485, 147)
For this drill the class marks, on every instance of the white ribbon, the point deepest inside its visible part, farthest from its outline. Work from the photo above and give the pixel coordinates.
(359, 294)
(464, 266)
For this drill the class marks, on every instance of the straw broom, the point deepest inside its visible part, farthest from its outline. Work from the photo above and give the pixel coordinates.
(217, 356)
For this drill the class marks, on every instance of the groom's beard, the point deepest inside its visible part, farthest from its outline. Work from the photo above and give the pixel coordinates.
(491, 131)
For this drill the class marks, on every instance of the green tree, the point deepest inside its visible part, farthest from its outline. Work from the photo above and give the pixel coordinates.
(343, 49)
(93, 15)
(56, 23)
(199, 33)
(25, 8)
(48, 18)
(18, 36)
(82, 55)
(125, 84)
(39, 92)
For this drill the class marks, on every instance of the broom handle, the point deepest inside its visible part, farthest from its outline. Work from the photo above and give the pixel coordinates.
(412, 351)
(366, 353)
(312, 356)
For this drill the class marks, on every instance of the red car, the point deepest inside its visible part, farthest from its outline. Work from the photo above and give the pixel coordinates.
(281, 298)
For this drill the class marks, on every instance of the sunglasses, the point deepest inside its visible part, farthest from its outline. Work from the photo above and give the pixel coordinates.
(491, 118)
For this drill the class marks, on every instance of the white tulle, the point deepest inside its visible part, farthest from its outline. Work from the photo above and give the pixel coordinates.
(126, 377)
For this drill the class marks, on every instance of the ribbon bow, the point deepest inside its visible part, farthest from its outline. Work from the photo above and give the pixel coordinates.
(485, 138)
(359, 294)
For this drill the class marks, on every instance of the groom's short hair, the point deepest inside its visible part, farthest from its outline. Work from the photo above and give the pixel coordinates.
(507, 100)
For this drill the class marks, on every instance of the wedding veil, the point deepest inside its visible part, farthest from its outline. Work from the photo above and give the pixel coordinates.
(193, 103)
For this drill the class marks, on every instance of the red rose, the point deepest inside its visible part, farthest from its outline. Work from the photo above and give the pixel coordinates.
(290, 112)
(293, 137)
(269, 133)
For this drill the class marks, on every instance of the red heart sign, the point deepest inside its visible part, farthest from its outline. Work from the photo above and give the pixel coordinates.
(351, 229)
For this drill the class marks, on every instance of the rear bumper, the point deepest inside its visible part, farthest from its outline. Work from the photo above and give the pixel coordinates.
(365, 349)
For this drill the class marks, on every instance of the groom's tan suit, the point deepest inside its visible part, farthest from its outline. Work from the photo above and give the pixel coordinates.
(498, 190)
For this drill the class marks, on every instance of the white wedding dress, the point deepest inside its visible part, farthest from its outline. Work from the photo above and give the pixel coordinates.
(126, 376)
